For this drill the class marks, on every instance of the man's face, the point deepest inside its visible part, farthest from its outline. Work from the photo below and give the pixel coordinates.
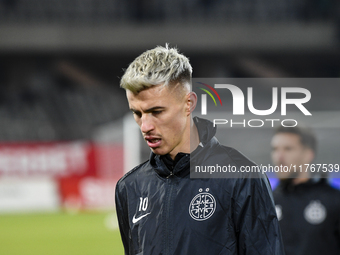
(163, 116)
(287, 150)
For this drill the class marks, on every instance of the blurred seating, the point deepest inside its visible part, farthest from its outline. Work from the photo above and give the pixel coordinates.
(58, 114)
(114, 11)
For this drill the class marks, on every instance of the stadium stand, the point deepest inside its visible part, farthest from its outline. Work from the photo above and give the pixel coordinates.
(57, 113)
(107, 11)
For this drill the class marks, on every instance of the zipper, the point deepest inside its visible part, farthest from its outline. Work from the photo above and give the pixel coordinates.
(168, 215)
(171, 172)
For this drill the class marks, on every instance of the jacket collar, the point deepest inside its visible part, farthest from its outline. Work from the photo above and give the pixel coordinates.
(288, 186)
(180, 169)
(206, 133)
(206, 130)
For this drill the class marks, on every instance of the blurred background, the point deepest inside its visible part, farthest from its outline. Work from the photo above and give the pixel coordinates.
(63, 116)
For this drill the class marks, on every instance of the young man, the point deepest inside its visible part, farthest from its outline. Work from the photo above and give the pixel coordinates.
(160, 209)
(308, 208)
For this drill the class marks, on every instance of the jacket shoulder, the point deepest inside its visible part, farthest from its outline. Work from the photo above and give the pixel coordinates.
(132, 172)
(237, 157)
(249, 168)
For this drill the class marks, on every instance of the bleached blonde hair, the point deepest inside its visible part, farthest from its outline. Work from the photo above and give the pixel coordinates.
(161, 65)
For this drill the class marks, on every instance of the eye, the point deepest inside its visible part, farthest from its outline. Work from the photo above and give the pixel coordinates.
(156, 112)
(288, 149)
(137, 114)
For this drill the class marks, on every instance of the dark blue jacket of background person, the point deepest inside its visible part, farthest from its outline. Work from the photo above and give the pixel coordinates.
(309, 216)
(161, 210)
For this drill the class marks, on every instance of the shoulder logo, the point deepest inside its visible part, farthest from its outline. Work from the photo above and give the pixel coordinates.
(202, 206)
(315, 213)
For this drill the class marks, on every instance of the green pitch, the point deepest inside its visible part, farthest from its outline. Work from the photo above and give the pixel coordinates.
(90, 233)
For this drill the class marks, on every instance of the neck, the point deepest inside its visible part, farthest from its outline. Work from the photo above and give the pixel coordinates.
(302, 177)
(297, 181)
(190, 140)
(194, 137)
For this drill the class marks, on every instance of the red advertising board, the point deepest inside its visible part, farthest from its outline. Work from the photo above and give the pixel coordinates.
(86, 172)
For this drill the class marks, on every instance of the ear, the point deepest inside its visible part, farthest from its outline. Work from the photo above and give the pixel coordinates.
(191, 102)
(309, 155)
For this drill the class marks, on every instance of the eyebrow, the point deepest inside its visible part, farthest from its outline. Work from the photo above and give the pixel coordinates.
(150, 109)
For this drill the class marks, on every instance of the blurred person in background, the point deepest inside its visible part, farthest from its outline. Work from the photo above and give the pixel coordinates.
(160, 209)
(307, 207)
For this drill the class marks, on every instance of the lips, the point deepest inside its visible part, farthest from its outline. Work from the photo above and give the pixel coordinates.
(153, 142)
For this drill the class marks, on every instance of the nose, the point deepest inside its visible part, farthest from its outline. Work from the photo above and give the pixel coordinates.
(279, 157)
(146, 123)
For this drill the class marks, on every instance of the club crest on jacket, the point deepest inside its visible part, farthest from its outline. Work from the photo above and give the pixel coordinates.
(202, 206)
(315, 212)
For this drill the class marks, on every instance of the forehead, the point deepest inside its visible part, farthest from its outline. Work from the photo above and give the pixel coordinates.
(286, 139)
(155, 95)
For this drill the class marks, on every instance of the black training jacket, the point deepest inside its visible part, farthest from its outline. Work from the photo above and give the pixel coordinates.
(309, 216)
(164, 211)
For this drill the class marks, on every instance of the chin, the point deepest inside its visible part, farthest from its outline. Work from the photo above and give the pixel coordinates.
(159, 151)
